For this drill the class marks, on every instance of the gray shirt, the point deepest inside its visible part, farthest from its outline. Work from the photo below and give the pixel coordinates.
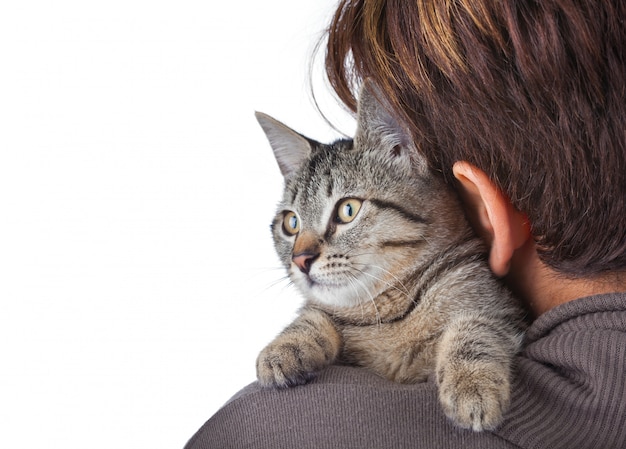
(570, 392)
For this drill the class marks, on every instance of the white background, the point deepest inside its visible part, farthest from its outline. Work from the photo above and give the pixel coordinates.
(137, 277)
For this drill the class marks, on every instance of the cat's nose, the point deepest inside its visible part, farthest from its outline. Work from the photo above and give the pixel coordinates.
(304, 261)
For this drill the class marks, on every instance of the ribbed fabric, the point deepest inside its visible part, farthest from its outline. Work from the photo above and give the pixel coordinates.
(570, 392)
(571, 386)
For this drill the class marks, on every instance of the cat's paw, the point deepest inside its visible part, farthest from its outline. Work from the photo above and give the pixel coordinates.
(285, 364)
(474, 397)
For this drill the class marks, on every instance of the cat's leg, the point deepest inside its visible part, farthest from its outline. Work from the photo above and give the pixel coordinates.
(307, 345)
(473, 368)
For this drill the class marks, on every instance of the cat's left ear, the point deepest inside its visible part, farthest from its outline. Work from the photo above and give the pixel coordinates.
(378, 130)
(290, 148)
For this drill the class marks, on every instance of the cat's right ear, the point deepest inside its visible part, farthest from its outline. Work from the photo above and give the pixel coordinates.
(290, 148)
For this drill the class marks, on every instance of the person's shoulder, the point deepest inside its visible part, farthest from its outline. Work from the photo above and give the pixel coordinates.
(343, 407)
(569, 388)
(592, 313)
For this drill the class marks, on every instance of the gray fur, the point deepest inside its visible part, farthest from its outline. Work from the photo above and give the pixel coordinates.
(404, 288)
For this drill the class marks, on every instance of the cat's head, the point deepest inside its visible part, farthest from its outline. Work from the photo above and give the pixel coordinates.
(357, 214)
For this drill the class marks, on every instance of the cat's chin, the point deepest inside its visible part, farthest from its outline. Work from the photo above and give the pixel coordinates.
(333, 295)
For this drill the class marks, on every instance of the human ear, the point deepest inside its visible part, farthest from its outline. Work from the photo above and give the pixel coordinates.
(493, 216)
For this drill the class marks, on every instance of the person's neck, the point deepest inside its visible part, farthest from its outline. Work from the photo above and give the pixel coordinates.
(542, 288)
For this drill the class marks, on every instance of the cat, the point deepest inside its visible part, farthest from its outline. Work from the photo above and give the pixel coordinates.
(394, 278)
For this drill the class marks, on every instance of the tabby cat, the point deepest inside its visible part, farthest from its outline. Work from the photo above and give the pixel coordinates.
(395, 280)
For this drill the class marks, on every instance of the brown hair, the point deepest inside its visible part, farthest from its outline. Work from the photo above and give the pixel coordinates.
(532, 92)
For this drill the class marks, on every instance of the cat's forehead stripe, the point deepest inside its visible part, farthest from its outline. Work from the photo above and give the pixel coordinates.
(330, 185)
(382, 204)
(294, 194)
(317, 176)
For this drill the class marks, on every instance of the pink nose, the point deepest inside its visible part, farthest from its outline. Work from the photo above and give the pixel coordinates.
(304, 261)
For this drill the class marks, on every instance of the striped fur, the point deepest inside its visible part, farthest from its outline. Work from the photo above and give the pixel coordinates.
(400, 286)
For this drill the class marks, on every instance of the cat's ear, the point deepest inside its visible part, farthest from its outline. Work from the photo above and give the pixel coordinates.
(290, 148)
(379, 131)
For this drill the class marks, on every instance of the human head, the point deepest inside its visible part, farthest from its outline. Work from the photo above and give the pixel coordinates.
(533, 93)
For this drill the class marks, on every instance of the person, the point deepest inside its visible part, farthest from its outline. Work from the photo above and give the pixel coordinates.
(521, 104)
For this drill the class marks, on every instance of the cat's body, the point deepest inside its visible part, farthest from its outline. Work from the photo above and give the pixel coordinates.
(394, 277)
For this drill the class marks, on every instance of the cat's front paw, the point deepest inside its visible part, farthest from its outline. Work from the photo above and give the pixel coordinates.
(286, 364)
(474, 397)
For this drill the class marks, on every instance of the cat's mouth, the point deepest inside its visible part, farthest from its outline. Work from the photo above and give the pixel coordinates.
(314, 282)
(334, 284)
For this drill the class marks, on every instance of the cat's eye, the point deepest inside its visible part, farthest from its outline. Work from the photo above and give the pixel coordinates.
(291, 224)
(348, 209)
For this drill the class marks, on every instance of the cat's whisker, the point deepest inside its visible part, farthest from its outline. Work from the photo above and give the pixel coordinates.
(379, 267)
(260, 272)
(352, 278)
(266, 269)
(284, 279)
(378, 318)
(402, 290)
(362, 303)
(396, 278)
